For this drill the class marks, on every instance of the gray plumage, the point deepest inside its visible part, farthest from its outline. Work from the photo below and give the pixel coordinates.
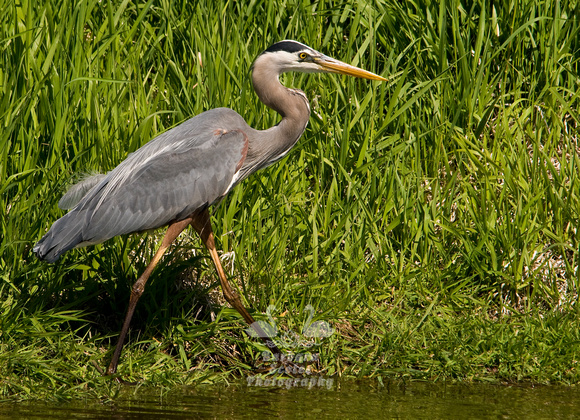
(193, 165)
(77, 191)
(189, 167)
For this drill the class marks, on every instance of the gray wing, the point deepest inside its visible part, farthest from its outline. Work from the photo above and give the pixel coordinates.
(167, 187)
(166, 180)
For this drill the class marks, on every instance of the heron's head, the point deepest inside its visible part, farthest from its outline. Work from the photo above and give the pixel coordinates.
(288, 55)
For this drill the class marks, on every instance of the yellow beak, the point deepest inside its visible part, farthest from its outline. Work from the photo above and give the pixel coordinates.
(334, 66)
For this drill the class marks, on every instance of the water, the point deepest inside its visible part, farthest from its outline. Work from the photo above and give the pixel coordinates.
(332, 399)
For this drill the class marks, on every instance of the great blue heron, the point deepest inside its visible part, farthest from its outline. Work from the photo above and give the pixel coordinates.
(173, 179)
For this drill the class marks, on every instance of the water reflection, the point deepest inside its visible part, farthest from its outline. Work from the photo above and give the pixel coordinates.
(342, 399)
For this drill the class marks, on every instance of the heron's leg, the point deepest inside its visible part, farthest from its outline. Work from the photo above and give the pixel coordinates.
(172, 232)
(202, 224)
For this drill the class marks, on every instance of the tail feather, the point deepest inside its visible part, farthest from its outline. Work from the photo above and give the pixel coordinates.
(64, 235)
(67, 232)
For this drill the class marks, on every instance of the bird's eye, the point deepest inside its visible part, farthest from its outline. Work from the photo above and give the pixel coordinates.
(303, 55)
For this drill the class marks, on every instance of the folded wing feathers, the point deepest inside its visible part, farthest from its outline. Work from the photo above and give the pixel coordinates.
(154, 186)
(77, 191)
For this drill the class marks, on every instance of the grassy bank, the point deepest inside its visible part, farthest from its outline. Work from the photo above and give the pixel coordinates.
(431, 220)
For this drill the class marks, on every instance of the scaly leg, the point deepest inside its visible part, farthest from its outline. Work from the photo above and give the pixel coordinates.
(202, 224)
(172, 232)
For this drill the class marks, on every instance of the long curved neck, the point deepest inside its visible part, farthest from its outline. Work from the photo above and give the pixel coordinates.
(291, 104)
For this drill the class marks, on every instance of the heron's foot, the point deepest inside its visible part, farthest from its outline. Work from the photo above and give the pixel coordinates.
(124, 382)
(287, 368)
(116, 378)
(291, 368)
(282, 364)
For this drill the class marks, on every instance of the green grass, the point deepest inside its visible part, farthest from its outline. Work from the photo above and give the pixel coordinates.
(431, 220)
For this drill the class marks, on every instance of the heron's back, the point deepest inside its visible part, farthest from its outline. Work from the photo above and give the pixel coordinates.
(182, 170)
